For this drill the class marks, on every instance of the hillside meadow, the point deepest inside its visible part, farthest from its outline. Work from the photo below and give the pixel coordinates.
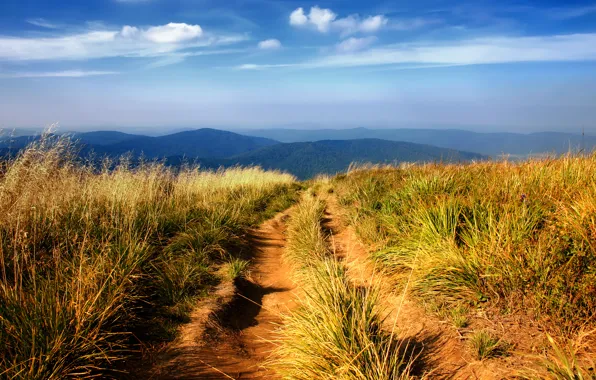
(94, 262)
(496, 238)
(101, 263)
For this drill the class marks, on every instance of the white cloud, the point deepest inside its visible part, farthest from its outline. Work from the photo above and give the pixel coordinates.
(373, 23)
(557, 48)
(353, 44)
(58, 74)
(324, 20)
(42, 23)
(321, 18)
(173, 33)
(129, 41)
(129, 31)
(251, 66)
(298, 17)
(271, 44)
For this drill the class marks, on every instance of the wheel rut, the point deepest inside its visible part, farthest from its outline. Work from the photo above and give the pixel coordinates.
(233, 336)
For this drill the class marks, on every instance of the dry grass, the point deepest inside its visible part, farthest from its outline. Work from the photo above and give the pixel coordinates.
(337, 331)
(485, 344)
(519, 237)
(567, 363)
(516, 235)
(89, 257)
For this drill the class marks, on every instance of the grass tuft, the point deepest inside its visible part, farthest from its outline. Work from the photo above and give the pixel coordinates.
(565, 363)
(237, 269)
(485, 345)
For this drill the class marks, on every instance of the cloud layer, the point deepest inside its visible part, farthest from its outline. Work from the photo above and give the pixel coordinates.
(58, 74)
(570, 47)
(129, 41)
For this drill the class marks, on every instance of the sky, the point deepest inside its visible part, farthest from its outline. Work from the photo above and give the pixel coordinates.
(520, 66)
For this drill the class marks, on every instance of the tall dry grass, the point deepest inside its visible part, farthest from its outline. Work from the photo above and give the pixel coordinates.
(494, 231)
(93, 259)
(518, 236)
(337, 331)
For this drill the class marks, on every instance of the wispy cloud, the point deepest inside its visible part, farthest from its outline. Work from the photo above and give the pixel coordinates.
(58, 74)
(570, 12)
(178, 57)
(43, 23)
(129, 41)
(353, 44)
(252, 66)
(411, 24)
(271, 44)
(571, 47)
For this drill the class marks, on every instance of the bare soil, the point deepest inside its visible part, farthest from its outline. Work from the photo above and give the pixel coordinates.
(232, 335)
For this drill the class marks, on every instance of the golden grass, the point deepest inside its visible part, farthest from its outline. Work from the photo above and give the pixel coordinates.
(90, 256)
(515, 236)
(337, 331)
(490, 231)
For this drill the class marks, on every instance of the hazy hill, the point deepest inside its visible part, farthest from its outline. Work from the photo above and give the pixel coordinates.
(493, 144)
(17, 132)
(198, 143)
(104, 137)
(204, 143)
(310, 158)
(213, 148)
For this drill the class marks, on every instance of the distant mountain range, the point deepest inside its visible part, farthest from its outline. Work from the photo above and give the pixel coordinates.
(491, 144)
(333, 156)
(214, 148)
(202, 143)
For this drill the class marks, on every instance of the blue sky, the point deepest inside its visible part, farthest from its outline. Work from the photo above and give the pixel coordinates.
(507, 65)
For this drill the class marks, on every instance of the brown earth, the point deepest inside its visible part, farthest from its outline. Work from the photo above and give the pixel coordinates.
(232, 335)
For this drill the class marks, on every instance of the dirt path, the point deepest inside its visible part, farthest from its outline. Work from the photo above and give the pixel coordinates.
(440, 347)
(236, 343)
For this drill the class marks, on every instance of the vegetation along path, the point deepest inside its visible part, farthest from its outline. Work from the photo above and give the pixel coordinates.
(231, 336)
(435, 349)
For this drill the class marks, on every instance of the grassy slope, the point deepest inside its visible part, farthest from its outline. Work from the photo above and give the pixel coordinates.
(87, 257)
(517, 237)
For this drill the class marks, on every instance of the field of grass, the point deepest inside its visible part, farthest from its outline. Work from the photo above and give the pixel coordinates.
(517, 237)
(95, 261)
